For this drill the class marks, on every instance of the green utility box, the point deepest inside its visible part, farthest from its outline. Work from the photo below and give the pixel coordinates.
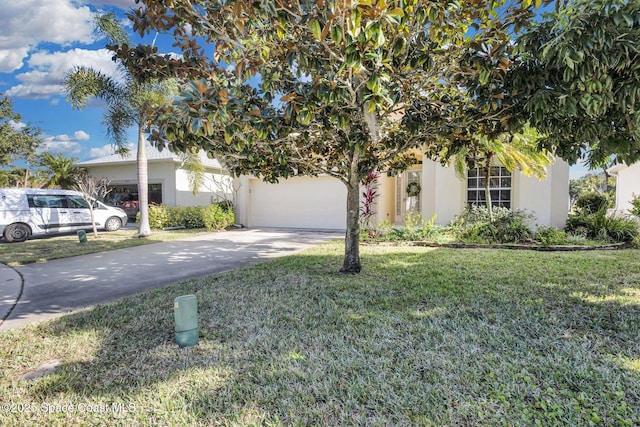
(185, 309)
(82, 236)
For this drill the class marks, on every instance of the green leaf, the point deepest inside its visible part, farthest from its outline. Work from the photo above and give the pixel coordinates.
(316, 28)
(336, 33)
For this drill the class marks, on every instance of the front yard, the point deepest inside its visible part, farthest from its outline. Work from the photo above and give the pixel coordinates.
(423, 336)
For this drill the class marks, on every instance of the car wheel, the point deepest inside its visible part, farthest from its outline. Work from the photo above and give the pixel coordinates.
(113, 224)
(16, 233)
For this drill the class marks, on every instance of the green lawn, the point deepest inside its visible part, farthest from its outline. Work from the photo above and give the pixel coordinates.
(423, 336)
(45, 249)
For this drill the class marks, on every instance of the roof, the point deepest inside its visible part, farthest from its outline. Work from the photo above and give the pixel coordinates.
(153, 154)
(613, 170)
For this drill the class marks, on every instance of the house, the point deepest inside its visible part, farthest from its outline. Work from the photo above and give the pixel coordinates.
(320, 202)
(169, 181)
(627, 185)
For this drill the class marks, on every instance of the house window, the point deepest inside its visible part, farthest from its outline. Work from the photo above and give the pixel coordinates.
(499, 187)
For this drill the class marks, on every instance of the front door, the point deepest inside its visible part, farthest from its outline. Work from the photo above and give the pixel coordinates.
(408, 195)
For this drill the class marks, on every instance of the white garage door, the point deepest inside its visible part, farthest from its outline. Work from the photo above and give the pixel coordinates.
(299, 202)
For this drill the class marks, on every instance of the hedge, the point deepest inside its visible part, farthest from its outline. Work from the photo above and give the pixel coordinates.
(212, 217)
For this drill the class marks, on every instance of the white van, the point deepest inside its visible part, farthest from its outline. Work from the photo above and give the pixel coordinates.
(26, 212)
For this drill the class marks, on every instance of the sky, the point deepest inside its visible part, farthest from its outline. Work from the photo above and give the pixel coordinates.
(40, 41)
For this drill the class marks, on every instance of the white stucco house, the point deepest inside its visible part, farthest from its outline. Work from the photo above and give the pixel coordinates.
(320, 202)
(168, 178)
(627, 185)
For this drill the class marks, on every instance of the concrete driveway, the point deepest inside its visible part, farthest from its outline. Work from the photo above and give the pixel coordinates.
(50, 289)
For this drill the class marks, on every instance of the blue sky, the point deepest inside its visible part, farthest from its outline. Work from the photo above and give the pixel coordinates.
(40, 40)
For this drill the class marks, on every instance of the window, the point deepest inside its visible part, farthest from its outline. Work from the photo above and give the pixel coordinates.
(47, 201)
(78, 202)
(499, 187)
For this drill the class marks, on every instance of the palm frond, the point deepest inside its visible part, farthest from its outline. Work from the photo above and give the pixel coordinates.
(118, 119)
(192, 163)
(108, 26)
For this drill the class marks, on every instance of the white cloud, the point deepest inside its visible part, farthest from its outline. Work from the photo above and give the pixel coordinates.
(104, 151)
(69, 145)
(28, 23)
(122, 4)
(47, 71)
(17, 126)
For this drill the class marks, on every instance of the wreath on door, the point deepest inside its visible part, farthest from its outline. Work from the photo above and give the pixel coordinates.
(413, 189)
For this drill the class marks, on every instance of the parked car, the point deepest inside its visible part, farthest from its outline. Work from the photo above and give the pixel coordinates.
(26, 212)
(130, 207)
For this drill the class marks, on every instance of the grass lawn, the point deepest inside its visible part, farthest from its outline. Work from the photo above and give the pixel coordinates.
(45, 249)
(423, 336)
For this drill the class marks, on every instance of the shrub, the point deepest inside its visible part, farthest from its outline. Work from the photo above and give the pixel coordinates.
(513, 228)
(507, 227)
(591, 202)
(635, 209)
(217, 216)
(212, 217)
(549, 236)
(599, 226)
(158, 216)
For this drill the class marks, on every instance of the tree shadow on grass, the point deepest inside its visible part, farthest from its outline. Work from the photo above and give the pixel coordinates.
(421, 336)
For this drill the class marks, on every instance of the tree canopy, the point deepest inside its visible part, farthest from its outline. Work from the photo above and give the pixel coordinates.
(582, 79)
(342, 88)
(18, 141)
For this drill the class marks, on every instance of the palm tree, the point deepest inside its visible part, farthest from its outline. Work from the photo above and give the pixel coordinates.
(130, 102)
(60, 171)
(513, 151)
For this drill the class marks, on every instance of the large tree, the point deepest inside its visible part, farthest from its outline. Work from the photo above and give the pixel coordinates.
(18, 141)
(342, 88)
(583, 79)
(132, 100)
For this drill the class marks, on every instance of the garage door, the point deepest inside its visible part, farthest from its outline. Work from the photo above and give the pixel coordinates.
(298, 203)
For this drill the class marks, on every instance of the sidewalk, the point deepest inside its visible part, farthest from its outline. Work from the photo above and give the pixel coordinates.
(10, 290)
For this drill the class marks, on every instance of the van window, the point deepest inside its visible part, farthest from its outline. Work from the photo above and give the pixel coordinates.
(47, 201)
(78, 202)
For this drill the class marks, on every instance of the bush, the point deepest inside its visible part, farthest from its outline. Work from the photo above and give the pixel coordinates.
(158, 216)
(212, 217)
(549, 236)
(474, 214)
(591, 202)
(635, 209)
(507, 227)
(599, 226)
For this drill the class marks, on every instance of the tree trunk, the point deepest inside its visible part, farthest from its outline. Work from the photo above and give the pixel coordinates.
(93, 218)
(606, 180)
(487, 187)
(351, 262)
(143, 185)
(26, 175)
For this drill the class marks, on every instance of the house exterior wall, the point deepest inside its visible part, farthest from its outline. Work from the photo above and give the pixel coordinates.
(159, 173)
(216, 187)
(385, 208)
(175, 181)
(548, 199)
(443, 194)
(628, 184)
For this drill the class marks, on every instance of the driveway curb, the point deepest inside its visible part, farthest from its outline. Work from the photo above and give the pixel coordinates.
(11, 288)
